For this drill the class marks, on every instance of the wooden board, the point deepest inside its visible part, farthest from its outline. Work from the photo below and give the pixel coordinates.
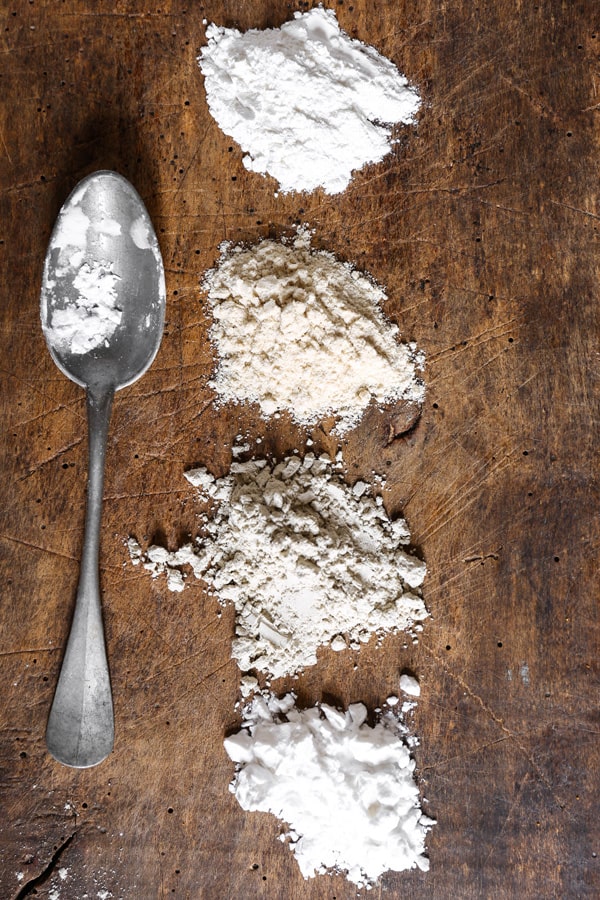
(483, 227)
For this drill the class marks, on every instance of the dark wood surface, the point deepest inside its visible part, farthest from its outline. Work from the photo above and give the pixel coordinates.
(483, 226)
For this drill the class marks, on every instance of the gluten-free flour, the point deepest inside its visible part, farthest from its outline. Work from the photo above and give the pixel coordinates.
(345, 791)
(296, 329)
(307, 561)
(305, 102)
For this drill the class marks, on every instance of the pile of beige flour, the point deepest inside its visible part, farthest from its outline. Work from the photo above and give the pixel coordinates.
(296, 329)
(307, 561)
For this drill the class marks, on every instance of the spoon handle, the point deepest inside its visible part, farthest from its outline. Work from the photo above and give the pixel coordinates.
(80, 729)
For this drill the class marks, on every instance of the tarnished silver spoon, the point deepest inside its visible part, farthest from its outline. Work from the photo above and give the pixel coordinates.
(102, 309)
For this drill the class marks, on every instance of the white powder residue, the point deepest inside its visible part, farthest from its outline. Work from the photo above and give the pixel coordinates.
(307, 103)
(306, 560)
(71, 229)
(139, 234)
(73, 226)
(296, 329)
(89, 319)
(108, 226)
(346, 791)
(80, 305)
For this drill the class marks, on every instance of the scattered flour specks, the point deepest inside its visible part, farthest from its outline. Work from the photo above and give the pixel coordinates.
(262, 86)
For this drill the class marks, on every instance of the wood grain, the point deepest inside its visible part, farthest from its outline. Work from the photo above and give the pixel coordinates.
(483, 227)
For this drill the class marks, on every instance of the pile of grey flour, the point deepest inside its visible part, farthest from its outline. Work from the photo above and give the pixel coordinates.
(296, 329)
(345, 790)
(307, 561)
(306, 103)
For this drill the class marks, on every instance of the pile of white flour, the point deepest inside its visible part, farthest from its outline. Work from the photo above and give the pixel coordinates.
(296, 329)
(345, 790)
(306, 560)
(306, 103)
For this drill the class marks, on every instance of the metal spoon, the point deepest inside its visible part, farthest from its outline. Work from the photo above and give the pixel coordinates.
(102, 309)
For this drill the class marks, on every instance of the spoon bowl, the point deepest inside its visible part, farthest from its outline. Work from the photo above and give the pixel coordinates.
(103, 241)
(102, 309)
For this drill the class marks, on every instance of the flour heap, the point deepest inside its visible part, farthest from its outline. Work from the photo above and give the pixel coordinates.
(307, 103)
(307, 561)
(297, 329)
(345, 790)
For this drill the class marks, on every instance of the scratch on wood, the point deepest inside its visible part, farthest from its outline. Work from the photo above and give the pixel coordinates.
(192, 159)
(29, 888)
(460, 499)
(497, 721)
(50, 459)
(4, 653)
(484, 365)
(31, 546)
(34, 387)
(527, 380)
(49, 412)
(478, 558)
(509, 209)
(508, 817)
(170, 492)
(180, 662)
(575, 209)
(210, 675)
(536, 104)
(6, 150)
(501, 329)
(447, 760)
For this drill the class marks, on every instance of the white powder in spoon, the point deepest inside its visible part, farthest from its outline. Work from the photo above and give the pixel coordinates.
(307, 103)
(81, 303)
(307, 561)
(88, 319)
(346, 791)
(296, 329)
